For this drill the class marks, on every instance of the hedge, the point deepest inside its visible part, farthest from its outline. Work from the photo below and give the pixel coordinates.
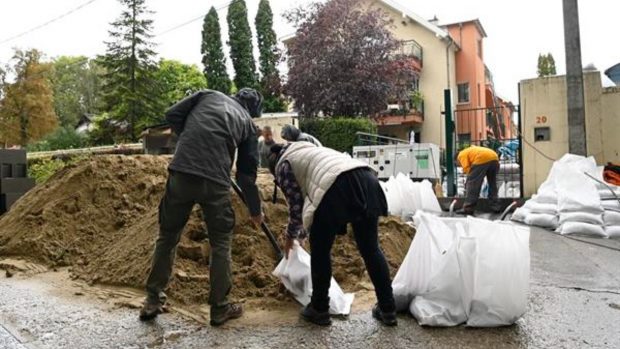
(337, 132)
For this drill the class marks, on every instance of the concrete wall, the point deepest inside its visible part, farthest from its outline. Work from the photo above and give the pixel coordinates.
(611, 124)
(438, 71)
(276, 122)
(543, 104)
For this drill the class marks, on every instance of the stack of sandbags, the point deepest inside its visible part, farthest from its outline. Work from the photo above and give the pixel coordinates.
(542, 209)
(405, 197)
(579, 202)
(609, 195)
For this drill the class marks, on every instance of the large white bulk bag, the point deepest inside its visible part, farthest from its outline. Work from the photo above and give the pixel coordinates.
(501, 274)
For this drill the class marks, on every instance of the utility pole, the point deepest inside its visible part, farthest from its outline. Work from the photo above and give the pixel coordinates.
(574, 80)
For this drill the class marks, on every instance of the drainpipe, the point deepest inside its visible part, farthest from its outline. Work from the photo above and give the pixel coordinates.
(450, 44)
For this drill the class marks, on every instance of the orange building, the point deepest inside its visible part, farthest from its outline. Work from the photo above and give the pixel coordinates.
(480, 113)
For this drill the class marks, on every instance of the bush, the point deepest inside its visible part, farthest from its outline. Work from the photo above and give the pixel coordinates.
(62, 138)
(44, 169)
(337, 133)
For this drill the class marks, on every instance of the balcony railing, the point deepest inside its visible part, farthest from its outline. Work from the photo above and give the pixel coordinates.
(410, 48)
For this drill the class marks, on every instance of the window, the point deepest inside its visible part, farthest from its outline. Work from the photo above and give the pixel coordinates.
(465, 138)
(480, 48)
(463, 92)
(542, 134)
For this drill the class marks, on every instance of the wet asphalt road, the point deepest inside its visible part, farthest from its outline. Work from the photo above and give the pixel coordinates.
(574, 303)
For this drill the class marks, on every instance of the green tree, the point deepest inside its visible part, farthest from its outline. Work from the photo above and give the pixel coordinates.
(27, 107)
(240, 42)
(270, 83)
(130, 89)
(546, 65)
(177, 80)
(77, 89)
(213, 57)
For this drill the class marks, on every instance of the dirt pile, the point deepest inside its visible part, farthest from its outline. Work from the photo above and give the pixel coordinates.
(100, 217)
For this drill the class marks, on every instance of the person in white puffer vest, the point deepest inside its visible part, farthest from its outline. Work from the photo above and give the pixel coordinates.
(325, 191)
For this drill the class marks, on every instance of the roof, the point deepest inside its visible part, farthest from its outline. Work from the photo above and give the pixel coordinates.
(415, 17)
(614, 69)
(476, 22)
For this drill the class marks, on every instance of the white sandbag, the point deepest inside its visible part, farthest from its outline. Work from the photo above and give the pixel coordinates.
(576, 192)
(429, 202)
(393, 197)
(501, 275)
(545, 198)
(537, 207)
(579, 228)
(439, 291)
(431, 241)
(443, 304)
(613, 232)
(543, 220)
(294, 273)
(510, 189)
(612, 205)
(592, 218)
(410, 195)
(611, 218)
(609, 194)
(520, 214)
(461, 270)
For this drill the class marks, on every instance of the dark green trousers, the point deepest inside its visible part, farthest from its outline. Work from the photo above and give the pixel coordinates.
(475, 178)
(183, 191)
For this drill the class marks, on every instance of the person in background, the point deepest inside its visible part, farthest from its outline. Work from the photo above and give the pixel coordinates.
(325, 191)
(264, 146)
(291, 133)
(211, 127)
(478, 163)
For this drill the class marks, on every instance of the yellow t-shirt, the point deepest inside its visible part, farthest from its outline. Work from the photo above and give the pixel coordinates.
(475, 155)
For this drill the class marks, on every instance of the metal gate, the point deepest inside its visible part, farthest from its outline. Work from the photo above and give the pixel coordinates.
(497, 128)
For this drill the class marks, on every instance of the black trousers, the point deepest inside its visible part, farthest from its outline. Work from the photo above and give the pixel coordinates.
(475, 178)
(356, 197)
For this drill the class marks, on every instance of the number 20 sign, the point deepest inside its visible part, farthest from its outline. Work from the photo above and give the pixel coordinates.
(541, 119)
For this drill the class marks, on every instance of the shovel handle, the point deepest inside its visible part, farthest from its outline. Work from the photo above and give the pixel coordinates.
(263, 226)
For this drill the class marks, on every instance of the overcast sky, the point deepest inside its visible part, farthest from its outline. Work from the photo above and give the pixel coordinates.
(517, 30)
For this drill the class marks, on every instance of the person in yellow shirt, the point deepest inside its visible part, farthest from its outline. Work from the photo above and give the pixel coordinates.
(477, 163)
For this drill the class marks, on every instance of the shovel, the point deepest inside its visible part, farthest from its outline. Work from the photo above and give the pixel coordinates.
(263, 226)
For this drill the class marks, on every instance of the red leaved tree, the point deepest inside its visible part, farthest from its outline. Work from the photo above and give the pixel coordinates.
(342, 61)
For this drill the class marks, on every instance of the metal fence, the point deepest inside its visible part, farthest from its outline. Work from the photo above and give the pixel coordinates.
(496, 128)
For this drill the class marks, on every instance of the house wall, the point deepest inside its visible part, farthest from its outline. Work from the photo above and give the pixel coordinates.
(438, 73)
(543, 104)
(470, 69)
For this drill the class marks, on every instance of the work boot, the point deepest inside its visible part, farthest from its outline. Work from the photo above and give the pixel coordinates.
(221, 315)
(465, 212)
(387, 318)
(150, 310)
(321, 318)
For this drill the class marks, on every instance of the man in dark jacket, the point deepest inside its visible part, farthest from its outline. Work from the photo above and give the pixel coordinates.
(211, 127)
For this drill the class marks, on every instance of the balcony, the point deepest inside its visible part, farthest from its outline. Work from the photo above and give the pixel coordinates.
(407, 113)
(410, 49)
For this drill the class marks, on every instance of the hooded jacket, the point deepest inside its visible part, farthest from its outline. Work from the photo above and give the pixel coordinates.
(211, 127)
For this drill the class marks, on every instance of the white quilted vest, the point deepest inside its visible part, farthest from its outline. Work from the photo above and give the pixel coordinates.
(316, 169)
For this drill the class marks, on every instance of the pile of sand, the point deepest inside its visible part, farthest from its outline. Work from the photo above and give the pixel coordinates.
(100, 218)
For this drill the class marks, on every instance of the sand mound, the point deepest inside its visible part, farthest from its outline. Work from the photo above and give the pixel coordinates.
(100, 217)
